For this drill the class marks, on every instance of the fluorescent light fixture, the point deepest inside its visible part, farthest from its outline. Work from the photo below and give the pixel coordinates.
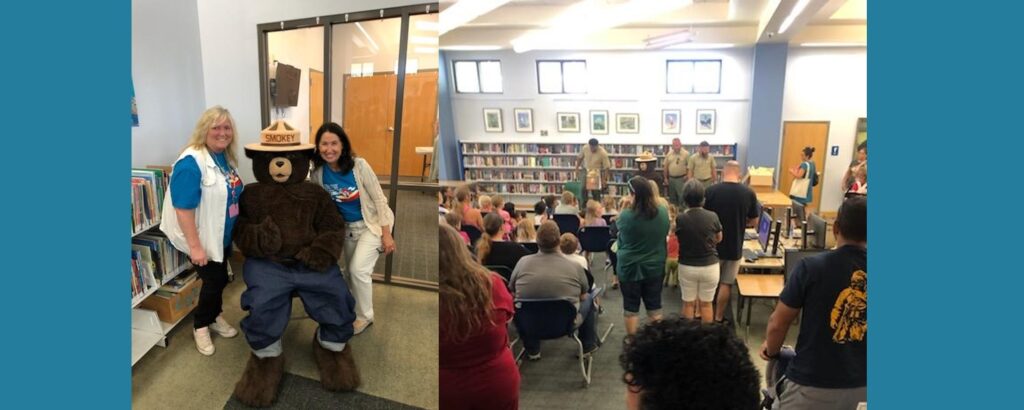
(470, 48)
(373, 44)
(700, 46)
(425, 50)
(833, 45)
(357, 70)
(423, 25)
(465, 11)
(662, 41)
(367, 69)
(430, 41)
(799, 8)
(411, 66)
(568, 29)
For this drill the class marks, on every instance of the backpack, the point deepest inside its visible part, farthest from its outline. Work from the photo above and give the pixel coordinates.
(814, 176)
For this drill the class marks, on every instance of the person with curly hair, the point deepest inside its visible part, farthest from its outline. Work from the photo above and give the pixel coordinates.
(475, 363)
(679, 363)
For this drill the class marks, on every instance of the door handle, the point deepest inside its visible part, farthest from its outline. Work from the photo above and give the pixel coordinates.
(391, 129)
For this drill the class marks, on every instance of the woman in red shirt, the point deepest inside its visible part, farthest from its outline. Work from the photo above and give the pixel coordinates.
(477, 369)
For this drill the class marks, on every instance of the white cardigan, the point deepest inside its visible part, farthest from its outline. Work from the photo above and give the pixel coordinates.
(210, 214)
(372, 202)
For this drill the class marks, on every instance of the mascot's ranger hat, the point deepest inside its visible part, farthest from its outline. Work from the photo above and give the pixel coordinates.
(279, 137)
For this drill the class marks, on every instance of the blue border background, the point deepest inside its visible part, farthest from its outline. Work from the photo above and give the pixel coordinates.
(944, 88)
(66, 328)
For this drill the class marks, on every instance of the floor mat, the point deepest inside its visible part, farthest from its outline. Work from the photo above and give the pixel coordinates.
(299, 392)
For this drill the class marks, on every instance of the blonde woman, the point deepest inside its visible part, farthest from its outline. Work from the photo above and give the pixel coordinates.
(525, 232)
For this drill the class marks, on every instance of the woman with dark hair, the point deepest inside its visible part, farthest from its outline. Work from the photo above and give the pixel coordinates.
(491, 249)
(806, 169)
(699, 231)
(476, 365)
(640, 268)
(364, 207)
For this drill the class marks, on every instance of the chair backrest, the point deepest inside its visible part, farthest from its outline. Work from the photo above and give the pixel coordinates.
(793, 256)
(531, 247)
(473, 232)
(542, 319)
(594, 238)
(502, 271)
(568, 223)
(608, 217)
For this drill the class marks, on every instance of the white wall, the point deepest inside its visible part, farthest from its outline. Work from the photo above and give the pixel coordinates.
(619, 82)
(303, 49)
(824, 84)
(167, 70)
(227, 31)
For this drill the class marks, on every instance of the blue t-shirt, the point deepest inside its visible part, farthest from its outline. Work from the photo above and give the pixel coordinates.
(831, 291)
(186, 191)
(344, 192)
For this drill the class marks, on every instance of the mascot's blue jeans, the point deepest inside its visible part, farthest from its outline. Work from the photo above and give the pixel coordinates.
(268, 299)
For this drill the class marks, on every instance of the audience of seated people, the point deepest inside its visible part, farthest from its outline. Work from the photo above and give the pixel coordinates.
(492, 249)
(455, 221)
(568, 204)
(464, 207)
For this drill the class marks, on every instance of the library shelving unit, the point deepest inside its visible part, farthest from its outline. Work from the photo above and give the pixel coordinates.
(524, 172)
(147, 328)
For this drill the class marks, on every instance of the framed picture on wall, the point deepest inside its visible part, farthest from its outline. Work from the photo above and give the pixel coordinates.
(568, 122)
(670, 121)
(627, 123)
(706, 121)
(524, 119)
(492, 120)
(598, 122)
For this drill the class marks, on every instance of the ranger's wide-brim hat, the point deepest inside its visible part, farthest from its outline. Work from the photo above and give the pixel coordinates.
(279, 137)
(647, 156)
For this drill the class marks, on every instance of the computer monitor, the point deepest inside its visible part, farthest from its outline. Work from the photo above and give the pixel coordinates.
(820, 228)
(764, 227)
(794, 256)
(775, 244)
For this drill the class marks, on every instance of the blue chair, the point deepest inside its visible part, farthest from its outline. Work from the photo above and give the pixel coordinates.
(530, 246)
(568, 223)
(473, 232)
(594, 239)
(546, 319)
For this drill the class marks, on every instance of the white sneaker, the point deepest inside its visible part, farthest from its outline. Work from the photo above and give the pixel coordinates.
(203, 341)
(360, 325)
(222, 328)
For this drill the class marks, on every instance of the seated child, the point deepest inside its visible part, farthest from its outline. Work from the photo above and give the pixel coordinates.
(525, 232)
(484, 202)
(594, 212)
(455, 221)
(498, 204)
(540, 212)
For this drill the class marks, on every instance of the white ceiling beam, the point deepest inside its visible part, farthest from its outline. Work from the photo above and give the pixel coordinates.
(775, 14)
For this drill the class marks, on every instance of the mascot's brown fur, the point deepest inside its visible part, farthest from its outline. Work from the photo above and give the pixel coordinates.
(288, 220)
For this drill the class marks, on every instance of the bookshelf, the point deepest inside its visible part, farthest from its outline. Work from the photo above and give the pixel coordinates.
(524, 172)
(155, 262)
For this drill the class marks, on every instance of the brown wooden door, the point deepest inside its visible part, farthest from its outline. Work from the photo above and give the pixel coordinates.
(419, 112)
(369, 117)
(316, 102)
(795, 136)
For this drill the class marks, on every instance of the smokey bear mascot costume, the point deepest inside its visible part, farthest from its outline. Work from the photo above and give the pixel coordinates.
(292, 236)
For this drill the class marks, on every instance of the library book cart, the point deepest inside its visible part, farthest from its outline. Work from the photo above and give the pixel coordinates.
(524, 172)
(162, 292)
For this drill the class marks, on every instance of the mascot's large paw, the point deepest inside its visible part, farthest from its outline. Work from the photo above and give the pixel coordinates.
(315, 258)
(338, 370)
(258, 385)
(270, 236)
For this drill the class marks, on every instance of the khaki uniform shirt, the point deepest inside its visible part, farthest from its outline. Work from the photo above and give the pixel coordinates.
(595, 160)
(701, 167)
(677, 163)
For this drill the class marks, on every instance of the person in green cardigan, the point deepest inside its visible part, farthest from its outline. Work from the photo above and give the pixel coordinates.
(640, 269)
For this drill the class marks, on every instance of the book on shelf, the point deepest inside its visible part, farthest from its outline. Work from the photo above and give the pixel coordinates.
(167, 259)
(142, 271)
(178, 283)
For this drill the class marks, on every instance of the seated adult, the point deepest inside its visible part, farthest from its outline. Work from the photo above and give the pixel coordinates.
(549, 275)
(492, 250)
(568, 204)
(475, 362)
(678, 363)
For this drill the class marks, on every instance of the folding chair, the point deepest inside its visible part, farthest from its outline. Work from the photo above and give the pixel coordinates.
(568, 223)
(594, 239)
(530, 246)
(546, 319)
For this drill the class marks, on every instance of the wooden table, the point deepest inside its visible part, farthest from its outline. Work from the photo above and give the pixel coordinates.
(767, 263)
(774, 199)
(425, 152)
(757, 286)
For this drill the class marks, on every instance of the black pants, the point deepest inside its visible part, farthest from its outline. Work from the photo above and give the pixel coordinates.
(215, 278)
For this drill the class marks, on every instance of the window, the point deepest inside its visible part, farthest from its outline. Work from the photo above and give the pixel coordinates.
(693, 77)
(562, 77)
(478, 76)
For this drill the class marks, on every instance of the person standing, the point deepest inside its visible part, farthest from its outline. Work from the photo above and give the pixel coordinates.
(736, 206)
(699, 232)
(806, 169)
(364, 207)
(829, 290)
(675, 169)
(640, 264)
(646, 164)
(199, 214)
(702, 166)
(858, 165)
(594, 159)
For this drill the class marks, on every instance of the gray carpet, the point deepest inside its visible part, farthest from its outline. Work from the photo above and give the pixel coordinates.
(299, 392)
(415, 219)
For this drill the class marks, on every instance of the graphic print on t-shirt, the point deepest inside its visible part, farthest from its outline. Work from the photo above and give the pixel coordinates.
(850, 313)
(342, 194)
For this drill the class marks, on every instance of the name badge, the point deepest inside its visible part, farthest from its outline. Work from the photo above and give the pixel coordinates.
(233, 210)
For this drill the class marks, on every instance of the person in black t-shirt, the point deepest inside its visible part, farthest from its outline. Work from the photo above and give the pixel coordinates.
(492, 250)
(737, 208)
(830, 367)
(698, 231)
